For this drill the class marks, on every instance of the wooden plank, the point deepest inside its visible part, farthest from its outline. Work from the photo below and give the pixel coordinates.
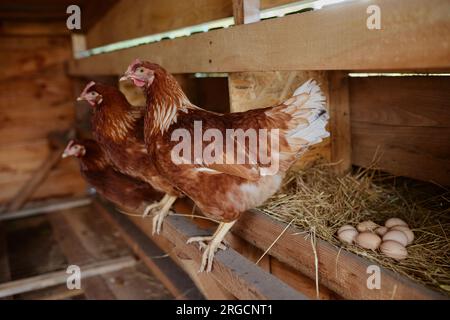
(282, 271)
(56, 206)
(209, 287)
(59, 277)
(85, 239)
(339, 124)
(147, 17)
(300, 282)
(15, 28)
(22, 58)
(234, 272)
(405, 122)
(173, 277)
(252, 90)
(339, 270)
(323, 40)
(30, 186)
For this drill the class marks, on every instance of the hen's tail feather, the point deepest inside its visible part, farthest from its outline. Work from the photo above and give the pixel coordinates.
(309, 118)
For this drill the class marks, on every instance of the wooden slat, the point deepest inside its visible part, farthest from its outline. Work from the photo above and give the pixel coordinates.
(56, 206)
(59, 277)
(146, 17)
(339, 270)
(209, 287)
(232, 271)
(339, 124)
(85, 239)
(172, 276)
(405, 122)
(38, 177)
(241, 277)
(334, 38)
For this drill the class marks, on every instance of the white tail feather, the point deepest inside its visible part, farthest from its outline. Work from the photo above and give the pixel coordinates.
(310, 117)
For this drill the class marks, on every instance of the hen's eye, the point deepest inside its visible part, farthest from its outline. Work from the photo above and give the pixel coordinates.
(141, 70)
(92, 93)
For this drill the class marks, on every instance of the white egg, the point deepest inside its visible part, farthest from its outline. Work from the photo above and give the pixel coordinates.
(348, 236)
(394, 222)
(346, 227)
(366, 226)
(394, 250)
(381, 231)
(407, 231)
(368, 240)
(396, 235)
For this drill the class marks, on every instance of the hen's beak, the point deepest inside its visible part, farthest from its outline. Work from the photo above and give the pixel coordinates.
(80, 98)
(124, 77)
(65, 154)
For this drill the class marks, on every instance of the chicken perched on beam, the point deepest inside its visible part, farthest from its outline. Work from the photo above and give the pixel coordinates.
(127, 193)
(118, 127)
(225, 188)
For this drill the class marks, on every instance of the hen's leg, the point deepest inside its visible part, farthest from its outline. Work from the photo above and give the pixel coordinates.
(215, 243)
(158, 218)
(155, 205)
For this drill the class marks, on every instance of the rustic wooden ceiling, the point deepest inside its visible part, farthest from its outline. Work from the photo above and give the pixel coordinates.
(15, 14)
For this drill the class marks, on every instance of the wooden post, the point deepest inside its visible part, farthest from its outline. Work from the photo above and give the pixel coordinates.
(246, 11)
(340, 122)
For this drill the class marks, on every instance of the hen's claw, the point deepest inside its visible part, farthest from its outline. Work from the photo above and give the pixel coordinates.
(215, 243)
(150, 208)
(160, 210)
(158, 219)
(202, 242)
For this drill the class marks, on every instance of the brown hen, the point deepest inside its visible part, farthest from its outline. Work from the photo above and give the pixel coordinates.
(118, 128)
(225, 188)
(124, 191)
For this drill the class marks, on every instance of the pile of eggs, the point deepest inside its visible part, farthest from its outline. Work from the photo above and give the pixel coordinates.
(392, 238)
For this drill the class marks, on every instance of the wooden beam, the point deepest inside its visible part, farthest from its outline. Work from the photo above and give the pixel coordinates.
(147, 17)
(340, 129)
(334, 38)
(15, 28)
(38, 177)
(56, 206)
(172, 276)
(240, 276)
(339, 270)
(60, 277)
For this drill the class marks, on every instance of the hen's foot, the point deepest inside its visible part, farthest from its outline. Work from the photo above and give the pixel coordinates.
(158, 219)
(160, 210)
(215, 243)
(202, 242)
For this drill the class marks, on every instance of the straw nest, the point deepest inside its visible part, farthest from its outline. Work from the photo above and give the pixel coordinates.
(317, 200)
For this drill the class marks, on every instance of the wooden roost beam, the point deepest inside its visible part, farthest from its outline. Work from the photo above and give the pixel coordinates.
(334, 38)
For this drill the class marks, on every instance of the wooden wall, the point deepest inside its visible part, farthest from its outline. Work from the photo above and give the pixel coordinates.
(35, 99)
(403, 122)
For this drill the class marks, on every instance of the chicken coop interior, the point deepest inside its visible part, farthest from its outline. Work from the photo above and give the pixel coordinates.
(371, 201)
